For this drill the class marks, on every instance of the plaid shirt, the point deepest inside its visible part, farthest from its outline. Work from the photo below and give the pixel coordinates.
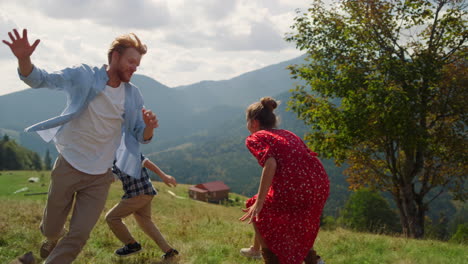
(134, 187)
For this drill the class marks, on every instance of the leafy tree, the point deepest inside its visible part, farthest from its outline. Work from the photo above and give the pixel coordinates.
(368, 211)
(385, 91)
(35, 160)
(2, 152)
(47, 160)
(11, 159)
(16, 157)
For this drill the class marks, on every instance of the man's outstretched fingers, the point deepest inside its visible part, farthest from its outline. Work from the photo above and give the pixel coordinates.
(16, 34)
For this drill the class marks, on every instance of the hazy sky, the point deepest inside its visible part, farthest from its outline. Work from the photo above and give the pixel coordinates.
(188, 40)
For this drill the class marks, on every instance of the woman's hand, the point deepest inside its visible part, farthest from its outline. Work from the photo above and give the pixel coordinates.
(253, 212)
(265, 182)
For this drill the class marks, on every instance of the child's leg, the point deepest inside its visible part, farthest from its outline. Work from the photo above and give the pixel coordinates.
(143, 218)
(268, 256)
(121, 210)
(258, 238)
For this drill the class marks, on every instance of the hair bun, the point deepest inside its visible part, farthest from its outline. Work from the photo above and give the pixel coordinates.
(269, 103)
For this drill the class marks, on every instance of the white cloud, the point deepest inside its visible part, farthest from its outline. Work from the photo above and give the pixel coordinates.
(188, 41)
(262, 36)
(5, 22)
(259, 36)
(73, 44)
(128, 14)
(186, 66)
(247, 27)
(208, 9)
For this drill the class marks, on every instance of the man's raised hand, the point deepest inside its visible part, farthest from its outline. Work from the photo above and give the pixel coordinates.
(20, 45)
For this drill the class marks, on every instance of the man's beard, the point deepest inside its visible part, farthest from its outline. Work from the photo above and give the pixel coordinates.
(122, 76)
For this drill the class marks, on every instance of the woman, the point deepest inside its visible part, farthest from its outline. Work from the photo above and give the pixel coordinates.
(293, 189)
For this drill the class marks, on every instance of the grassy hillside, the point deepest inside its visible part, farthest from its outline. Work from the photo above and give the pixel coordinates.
(203, 233)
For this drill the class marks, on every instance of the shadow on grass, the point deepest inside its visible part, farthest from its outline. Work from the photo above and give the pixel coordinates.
(144, 257)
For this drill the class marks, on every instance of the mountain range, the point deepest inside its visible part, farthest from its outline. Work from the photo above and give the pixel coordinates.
(201, 126)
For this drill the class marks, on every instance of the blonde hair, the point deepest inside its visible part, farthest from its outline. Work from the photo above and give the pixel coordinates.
(121, 43)
(263, 112)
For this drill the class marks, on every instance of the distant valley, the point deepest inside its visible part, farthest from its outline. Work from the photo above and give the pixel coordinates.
(202, 126)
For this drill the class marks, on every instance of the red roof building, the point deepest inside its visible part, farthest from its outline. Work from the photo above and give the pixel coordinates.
(209, 192)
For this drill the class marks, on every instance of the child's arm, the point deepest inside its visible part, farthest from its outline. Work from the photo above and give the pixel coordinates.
(167, 179)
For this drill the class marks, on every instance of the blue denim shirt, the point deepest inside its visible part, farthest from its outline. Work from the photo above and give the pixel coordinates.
(81, 84)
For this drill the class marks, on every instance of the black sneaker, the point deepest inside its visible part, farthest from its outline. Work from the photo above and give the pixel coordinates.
(128, 249)
(171, 253)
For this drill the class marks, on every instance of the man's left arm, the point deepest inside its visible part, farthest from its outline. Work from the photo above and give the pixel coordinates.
(151, 123)
(141, 128)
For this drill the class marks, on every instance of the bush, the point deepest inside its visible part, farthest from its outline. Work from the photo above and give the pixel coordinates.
(459, 218)
(328, 223)
(461, 236)
(368, 211)
(436, 229)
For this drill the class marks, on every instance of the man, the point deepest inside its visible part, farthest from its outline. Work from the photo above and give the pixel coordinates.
(104, 115)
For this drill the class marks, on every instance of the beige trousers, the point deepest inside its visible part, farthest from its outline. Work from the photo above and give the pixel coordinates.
(88, 193)
(140, 207)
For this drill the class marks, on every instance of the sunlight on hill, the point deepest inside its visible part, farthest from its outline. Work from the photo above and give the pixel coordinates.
(179, 147)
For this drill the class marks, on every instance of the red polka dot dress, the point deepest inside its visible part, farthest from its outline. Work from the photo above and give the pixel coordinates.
(290, 217)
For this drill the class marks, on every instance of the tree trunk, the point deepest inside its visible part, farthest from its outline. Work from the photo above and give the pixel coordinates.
(411, 211)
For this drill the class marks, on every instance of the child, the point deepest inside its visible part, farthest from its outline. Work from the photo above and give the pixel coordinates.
(139, 193)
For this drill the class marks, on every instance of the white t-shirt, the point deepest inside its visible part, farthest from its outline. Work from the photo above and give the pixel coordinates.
(89, 141)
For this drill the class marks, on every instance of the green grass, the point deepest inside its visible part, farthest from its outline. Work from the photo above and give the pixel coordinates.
(203, 233)
(11, 181)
